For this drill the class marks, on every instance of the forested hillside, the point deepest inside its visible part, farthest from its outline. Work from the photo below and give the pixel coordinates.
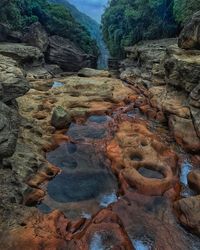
(92, 27)
(55, 18)
(125, 22)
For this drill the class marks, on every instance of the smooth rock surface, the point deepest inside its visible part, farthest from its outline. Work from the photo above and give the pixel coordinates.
(189, 213)
(184, 133)
(88, 72)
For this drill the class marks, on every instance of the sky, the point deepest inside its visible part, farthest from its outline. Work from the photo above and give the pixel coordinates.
(93, 8)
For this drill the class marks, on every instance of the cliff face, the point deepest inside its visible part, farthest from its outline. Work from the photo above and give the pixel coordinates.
(169, 78)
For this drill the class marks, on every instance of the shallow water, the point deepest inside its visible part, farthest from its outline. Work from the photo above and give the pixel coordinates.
(86, 183)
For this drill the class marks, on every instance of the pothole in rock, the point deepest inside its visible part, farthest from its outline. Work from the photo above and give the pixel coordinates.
(96, 127)
(149, 173)
(104, 240)
(142, 244)
(186, 168)
(85, 184)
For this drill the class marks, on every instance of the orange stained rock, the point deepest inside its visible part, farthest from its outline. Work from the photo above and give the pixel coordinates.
(135, 147)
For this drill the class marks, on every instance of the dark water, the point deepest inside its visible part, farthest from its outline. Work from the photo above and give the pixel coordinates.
(86, 182)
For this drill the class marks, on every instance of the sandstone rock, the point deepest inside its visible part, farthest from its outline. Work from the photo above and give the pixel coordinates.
(139, 158)
(88, 72)
(67, 55)
(12, 81)
(184, 133)
(194, 180)
(37, 37)
(182, 68)
(60, 118)
(188, 213)
(9, 125)
(190, 35)
(22, 53)
(169, 100)
(145, 62)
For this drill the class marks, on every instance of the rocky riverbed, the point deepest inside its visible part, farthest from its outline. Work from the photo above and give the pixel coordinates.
(89, 161)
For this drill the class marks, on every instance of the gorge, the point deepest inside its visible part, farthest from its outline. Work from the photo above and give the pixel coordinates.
(96, 159)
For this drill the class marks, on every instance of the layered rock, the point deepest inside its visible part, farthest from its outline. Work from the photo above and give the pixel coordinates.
(37, 36)
(144, 63)
(67, 55)
(12, 80)
(22, 53)
(190, 35)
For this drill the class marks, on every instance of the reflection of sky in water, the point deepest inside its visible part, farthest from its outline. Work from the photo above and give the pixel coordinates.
(96, 243)
(139, 245)
(107, 199)
(57, 84)
(185, 170)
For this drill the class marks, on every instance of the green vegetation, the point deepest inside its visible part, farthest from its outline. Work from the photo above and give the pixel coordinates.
(183, 9)
(55, 18)
(126, 22)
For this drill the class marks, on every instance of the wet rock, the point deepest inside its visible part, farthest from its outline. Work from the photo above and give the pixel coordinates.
(104, 231)
(88, 72)
(37, 36)
(190, 35)
(184, 133)
(194, 180)
(12, 81)
(60, 118)
(65, 53)
(22, 53)
(182, 68)
(188, 213)
(134, 148)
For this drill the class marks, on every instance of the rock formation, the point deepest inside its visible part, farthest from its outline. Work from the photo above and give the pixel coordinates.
(190, 35)
(67, 55)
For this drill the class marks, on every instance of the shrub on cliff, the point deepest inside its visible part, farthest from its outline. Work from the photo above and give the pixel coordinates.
(126, 22)
(183, 9)
(55, 18)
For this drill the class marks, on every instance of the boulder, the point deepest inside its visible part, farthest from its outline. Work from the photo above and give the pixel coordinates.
(182, 68)
(194, 180)
(9, 123)
(184, 133)
(144, 63)
(67, 55)
(188, 213)
(60, 118)
(12, 81)
(37, 36)
(22, 53)
(88, 72)
(190, 35)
